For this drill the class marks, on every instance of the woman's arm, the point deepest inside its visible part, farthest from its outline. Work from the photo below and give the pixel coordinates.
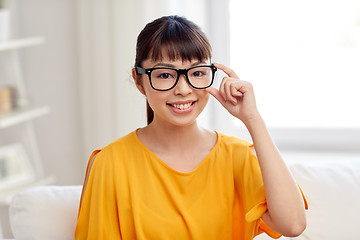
(98, 216)
(286, 211)
(87, 176)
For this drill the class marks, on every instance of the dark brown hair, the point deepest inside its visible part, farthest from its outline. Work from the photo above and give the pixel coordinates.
(178, 37)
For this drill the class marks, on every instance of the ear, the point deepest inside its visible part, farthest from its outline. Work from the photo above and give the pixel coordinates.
(138, 81)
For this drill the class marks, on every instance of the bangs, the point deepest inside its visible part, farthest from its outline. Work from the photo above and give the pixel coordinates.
(179, 41)
(185, 49)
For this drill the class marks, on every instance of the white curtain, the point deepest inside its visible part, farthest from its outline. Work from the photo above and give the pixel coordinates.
(110, 103)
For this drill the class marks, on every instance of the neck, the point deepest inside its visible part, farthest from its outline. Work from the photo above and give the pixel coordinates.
(173, 137)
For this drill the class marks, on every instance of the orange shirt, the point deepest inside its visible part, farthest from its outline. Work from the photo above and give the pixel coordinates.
(132, 194)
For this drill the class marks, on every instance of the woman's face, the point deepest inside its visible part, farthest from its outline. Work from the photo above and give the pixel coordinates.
(179, 106)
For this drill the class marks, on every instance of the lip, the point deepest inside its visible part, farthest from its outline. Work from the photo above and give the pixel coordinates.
(182, 111)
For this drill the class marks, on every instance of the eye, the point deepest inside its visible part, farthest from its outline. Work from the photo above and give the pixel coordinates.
(165, 76)
(198, 74)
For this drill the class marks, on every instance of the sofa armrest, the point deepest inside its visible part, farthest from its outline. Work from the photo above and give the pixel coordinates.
(333, 193)
(47, 212)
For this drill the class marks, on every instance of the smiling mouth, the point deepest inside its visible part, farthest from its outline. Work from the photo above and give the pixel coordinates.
(182, 106)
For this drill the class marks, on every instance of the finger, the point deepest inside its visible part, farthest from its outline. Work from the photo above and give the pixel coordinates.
(236, 92)
(216, 94)
(228, 91)
(227, 70)
(222, 88)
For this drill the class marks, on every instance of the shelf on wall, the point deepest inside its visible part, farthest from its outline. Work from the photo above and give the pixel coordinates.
(20, 43)
(22, 114)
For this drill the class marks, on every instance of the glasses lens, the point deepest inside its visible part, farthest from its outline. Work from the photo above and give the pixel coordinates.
(163, 78)
(201, 77)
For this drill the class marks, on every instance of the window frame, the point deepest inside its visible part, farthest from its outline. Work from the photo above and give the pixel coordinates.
(286, 138)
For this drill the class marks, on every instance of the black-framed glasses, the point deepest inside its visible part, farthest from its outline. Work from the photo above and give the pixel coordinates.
(165, 78)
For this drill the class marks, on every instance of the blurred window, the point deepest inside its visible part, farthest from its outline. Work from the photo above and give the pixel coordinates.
(303, 58)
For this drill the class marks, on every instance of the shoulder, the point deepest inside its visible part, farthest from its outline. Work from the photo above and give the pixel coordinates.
(127, 141)
(108, 158)
(231, 142)
(240, 152)
(119, 146)
(112, 154)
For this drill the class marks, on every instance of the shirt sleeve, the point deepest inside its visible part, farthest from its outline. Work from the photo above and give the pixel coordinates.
(97, 217)
(252, 188)
(256, 212)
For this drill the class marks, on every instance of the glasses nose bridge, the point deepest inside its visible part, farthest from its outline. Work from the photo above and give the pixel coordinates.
(182, 85)
(181, 72)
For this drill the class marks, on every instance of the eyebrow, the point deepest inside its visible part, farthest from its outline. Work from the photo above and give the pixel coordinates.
(172, 66)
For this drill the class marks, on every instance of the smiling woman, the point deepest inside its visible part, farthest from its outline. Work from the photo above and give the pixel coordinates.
(174, 179)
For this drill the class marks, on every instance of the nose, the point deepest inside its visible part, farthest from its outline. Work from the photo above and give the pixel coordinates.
(182, 87)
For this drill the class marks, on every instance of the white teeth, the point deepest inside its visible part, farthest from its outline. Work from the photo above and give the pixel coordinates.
(182, 106)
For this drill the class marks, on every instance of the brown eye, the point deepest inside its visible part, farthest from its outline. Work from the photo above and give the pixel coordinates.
(165, 75)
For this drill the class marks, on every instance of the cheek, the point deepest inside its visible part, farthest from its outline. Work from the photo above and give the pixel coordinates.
(145, 85)
(205, 97)
(155, 98)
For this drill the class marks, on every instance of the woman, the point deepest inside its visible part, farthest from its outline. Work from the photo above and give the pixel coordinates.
(174, 179)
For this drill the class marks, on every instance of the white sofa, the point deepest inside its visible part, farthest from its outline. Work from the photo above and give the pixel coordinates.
(332, 188)
(45, 213)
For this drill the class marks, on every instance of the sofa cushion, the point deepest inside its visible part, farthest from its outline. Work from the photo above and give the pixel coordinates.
(48, 212)
(332, 189)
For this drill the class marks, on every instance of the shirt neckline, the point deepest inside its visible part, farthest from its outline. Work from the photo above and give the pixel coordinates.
(203, 162)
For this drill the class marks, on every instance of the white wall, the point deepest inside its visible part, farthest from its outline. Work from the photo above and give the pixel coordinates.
(50, 72)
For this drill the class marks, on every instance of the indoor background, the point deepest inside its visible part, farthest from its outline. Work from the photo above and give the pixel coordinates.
(302, 58)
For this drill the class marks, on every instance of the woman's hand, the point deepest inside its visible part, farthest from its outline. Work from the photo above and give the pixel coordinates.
(236, 96)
